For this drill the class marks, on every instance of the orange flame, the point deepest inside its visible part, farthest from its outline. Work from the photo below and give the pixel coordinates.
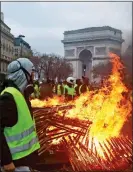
(47, 103)
(107, 107)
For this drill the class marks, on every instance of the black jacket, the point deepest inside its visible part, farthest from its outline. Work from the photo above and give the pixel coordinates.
(8, 118)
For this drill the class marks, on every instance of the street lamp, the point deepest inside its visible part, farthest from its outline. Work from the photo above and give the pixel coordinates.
(21, 36)
(84, 69)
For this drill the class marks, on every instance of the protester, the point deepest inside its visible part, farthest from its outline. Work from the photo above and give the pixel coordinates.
(59, 89)
(69, 89)
(17, 123)
(78, 84)
(53, 84)
(36, 93)
(85, 86)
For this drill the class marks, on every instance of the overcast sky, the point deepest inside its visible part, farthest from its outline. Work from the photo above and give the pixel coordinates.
(43, 23)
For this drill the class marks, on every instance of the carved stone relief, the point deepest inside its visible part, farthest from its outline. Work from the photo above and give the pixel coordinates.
(100, 51)
(69, 53)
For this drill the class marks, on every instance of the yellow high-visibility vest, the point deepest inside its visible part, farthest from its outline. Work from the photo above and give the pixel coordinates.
(59, 90)
(22, 138)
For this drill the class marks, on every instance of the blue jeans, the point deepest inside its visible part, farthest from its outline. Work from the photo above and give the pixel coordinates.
(20, 169)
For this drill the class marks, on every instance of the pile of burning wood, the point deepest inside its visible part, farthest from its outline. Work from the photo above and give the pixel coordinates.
(116, 157)
(84, 152)
(52, 127)
(97, 145)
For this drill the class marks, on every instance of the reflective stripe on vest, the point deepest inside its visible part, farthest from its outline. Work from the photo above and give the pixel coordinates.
(21, 138)
(81, 87)
(24, 147)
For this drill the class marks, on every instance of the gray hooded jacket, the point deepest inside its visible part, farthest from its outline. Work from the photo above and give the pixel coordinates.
(19, 77)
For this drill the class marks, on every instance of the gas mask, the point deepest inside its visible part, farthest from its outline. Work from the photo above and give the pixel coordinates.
(29, 77)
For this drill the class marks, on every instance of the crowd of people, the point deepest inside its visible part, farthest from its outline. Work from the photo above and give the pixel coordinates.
(70, 88)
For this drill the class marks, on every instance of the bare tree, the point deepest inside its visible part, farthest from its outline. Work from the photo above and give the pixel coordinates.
(36, 61)
(55, 69)
(66, 69)
(61, 68)
(47, 62)
(36, 53)
(52, 66)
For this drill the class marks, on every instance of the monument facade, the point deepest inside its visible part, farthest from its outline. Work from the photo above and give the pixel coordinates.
(86, 48)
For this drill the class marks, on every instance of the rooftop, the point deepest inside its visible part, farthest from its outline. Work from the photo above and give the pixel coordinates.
(2, 22)
(92, 29)
(92, 39)
(19, 40)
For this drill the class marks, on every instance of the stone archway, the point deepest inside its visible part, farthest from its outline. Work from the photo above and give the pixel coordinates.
(86, 57)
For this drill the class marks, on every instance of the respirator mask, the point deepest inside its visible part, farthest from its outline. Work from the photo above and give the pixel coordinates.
(29, 77)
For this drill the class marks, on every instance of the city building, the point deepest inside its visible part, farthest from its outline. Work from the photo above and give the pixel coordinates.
(7, 46)
(22, 48)
(88, 47)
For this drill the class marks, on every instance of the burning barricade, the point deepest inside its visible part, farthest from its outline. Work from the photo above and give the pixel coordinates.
(89, 128)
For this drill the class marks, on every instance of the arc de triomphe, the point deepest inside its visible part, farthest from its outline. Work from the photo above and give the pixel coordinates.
(85, 48)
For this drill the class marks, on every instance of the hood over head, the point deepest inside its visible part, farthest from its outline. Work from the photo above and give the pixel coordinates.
(18, 75)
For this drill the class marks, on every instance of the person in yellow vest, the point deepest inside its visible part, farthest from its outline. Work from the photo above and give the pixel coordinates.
(78, 87)
(59, 89)
(69, 90)
(19, 140)
(85, 86)
(53, 87)
(36, 93)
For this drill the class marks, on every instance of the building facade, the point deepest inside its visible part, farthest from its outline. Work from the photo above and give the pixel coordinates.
(86, 48)
(7, 46)
(22, 48)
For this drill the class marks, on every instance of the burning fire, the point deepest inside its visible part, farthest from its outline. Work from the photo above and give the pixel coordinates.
(110, 110)
(107, 108)
(47, 103)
